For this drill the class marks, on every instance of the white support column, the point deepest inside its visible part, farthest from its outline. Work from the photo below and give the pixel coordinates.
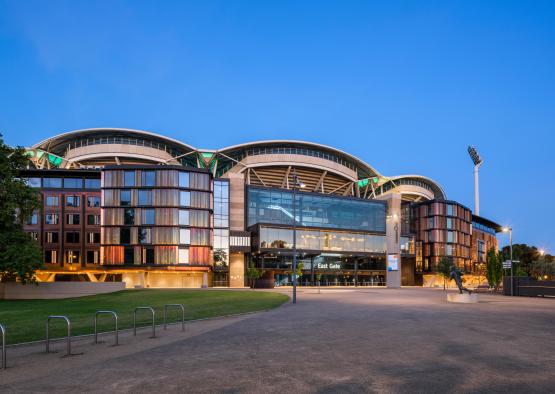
(393, 235)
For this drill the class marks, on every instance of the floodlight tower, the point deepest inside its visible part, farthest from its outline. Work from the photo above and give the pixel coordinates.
(477, 160)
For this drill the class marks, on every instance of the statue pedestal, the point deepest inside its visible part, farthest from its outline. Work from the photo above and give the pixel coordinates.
(464, 298)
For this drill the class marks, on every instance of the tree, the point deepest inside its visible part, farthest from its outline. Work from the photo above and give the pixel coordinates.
(494, 269)
(253, 274)
(20, 256)
(444, 269)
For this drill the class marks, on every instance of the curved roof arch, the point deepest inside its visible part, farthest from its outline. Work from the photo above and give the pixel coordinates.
(435, 187)
(360, 164)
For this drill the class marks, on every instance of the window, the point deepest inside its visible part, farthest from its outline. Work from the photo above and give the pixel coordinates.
(93, 220)
(184, 236)
(148, 216)
(51, 237)
(73, 183)
(52, 218)
(129, 216)
(145, 235)
(449, 250)
(51, 256)
(449, 210)
(34, 235)
(125, 198)
(54, 183)
(33, 219)
(129, 178)
(52, 201)
(33, 182)
(450, 236)
(184, 198)
(183, 179)
(183, 256)
(72, 257)
(72, 237)
(93, 201)
(481, 251)
(125, 235)
(148, 178)
(449, 223)
(128, 256)
(92, 257)
(73, 218)
(148, 255)
(145, 197)
(73, 201)
(93, 238)
(92, 183)
(183, 217)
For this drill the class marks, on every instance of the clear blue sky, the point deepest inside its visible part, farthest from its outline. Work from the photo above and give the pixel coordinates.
(406, 86)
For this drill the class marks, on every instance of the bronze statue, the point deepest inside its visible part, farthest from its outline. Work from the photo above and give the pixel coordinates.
(457, 274)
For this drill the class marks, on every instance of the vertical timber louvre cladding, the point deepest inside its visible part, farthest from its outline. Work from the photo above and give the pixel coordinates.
(156, 216)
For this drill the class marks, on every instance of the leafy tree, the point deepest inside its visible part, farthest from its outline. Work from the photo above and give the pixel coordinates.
(526, 254)
(444, 269)
(20, 256)
(253, 274)
(494, 271)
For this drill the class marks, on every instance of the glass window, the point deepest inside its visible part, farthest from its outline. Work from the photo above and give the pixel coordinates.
(129, 178)
(449, 250)
(125, 235)
(73, 183)
(128, 255)
(93, 257)
(33, 219)
(33, 182)
(54, 183)
(183, 217)
(52, 201)
(183, 256)
(129, 216)
(449, 223)
(183, 179)
(149, 216)
(51, 218)
(72, 257)
(125, 198)
(148, 178)
(73, 218)
(93, 238)
(93, 219)
(184, 236)
(72, 237)
(93, 201)
(51, 237)
(92, 183)
(184, 198)
(144, 235)
(449, 210)
(73, 201)
(145, 197)
(51, 256)
(148, 255)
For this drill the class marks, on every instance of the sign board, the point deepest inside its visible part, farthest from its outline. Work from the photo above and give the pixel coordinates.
(393, 262)
(506, 264)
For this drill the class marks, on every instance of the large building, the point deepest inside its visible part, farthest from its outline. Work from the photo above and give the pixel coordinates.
(134, 206)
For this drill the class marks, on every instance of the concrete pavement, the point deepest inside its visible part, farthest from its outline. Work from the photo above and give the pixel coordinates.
(342, 340)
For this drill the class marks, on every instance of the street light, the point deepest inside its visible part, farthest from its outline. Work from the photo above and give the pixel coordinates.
(296, 185)
(510, 231)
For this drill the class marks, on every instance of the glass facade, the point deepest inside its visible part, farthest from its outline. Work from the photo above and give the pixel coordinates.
(221, 232)
(274, 206)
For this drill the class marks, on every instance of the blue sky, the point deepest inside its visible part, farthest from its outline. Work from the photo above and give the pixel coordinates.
(405, 86)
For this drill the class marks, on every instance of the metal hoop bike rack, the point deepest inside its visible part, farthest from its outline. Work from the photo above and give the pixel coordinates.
(115, 315)
(148, 308)
(180, 306)
(68, 322)
(3, 330)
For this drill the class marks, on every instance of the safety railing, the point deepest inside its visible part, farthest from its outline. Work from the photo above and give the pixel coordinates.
(148, 308)
(115, 315)
(180, 306)
(68, 322)
(3, 331)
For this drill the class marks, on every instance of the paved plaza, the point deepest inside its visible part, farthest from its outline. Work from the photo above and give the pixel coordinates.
(353, 341)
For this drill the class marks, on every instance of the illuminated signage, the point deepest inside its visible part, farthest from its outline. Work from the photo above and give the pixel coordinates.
(393, 262)
(328, 266)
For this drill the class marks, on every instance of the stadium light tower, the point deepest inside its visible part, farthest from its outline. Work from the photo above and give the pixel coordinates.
(477, 160)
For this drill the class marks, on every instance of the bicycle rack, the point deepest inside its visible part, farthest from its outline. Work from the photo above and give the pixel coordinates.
(3, 330)
(115, 315)
(68, 333)
(180, 306)
(135, 319)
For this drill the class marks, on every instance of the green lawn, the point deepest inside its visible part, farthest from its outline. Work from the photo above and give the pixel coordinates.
(25, 319)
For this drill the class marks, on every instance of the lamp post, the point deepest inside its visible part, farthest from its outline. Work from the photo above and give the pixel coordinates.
(477, 160)
(296, 184)
(510, 231)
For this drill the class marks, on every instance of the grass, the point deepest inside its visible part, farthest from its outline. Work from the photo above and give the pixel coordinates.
(25, 319)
